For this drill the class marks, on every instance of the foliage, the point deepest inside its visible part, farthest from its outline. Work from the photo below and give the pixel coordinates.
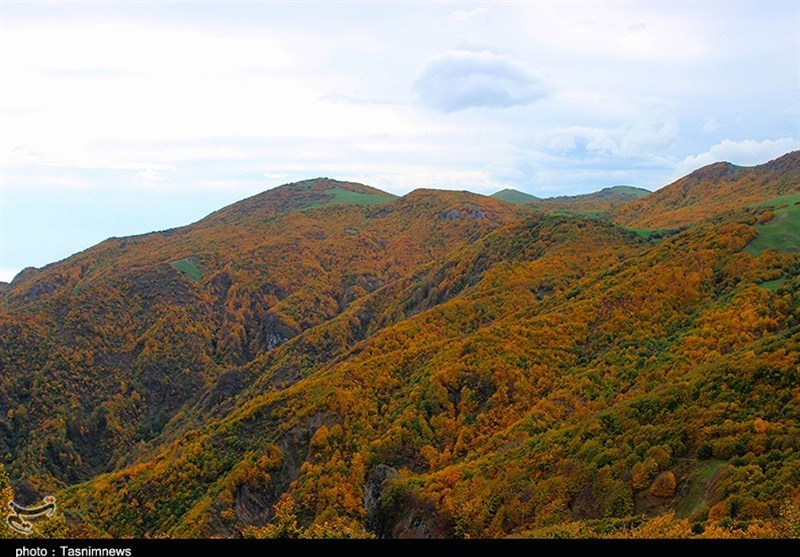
(777, 230)
(510, 372)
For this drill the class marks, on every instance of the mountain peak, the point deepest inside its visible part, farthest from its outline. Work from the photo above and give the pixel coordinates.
(710, 190)
(514, 196)
(305, 194)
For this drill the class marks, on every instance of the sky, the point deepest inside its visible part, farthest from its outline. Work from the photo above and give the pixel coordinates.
(122, 118)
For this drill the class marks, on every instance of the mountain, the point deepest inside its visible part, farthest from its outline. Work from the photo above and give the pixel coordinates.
(307, 194)
(711, 190)
(596, 203)
(324, 359)
(515, 196)
(137, 327)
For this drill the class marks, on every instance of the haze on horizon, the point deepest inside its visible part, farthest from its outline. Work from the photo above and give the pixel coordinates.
(123, 118)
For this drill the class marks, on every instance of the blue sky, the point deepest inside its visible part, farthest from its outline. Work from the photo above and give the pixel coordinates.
(127, 117)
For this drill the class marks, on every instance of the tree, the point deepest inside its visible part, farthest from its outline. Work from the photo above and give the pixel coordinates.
(664, 486)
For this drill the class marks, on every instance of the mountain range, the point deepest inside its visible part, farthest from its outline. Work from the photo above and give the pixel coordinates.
(325, 359)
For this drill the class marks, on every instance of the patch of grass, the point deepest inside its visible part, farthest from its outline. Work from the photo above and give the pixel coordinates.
(773, 285)
(515, 196)
(699, 481)
(780, 233)
(189, 266)
(706, 472)
(655, 234)
(630, 191)
(790, 199)
(342, 196)
(569, 213)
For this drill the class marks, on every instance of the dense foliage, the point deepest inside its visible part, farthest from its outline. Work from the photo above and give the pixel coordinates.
(323, 360)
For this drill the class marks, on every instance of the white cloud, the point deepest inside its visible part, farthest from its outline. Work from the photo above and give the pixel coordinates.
(150, 174)
(710, 125)
(460, 79)
(6, 275)
(276, 175)
(137, 85)
(623, 31)
(463, 16)
(640, 138)
(743, 153)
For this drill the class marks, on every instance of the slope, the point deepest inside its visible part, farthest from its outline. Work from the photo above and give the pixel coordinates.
(711, 190)
(593, 204)
(443, 364)
(101, 350)
(515, 196)
(565, 366)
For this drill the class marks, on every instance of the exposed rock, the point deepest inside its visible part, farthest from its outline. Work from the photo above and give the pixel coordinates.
(39, 289)
(452, 214)
(468, 210)
(274, 331)
(373, 489)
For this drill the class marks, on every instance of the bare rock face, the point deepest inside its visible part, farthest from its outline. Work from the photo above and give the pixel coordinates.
(467, 211)
(373, 489)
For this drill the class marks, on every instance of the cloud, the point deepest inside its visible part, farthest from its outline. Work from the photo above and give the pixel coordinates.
(6, 275)
(638, 139)
(339, 98)
(276, 175)
(743, 153)
(463, 16)
(459, 79)
(86, 73)
(710, 125)
(150, 174)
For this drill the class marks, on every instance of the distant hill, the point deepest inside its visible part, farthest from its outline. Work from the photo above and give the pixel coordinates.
(515, 196)
(327, 360)
(711, 190)
(593, 203)
(302, 195)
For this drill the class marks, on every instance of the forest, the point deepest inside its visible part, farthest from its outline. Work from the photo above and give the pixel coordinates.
(325, 359)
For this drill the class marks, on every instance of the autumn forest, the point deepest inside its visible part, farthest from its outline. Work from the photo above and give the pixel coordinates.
(325, 359)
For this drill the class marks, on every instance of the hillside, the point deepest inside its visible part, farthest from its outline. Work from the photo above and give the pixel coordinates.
(712, 190)
(324, 359)
(515, 196)
(136, 327)
(593, 204)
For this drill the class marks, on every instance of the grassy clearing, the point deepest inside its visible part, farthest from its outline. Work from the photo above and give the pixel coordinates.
(699, 481)
(782, 233)
(790, 199)
(189, 266)
(630, 191)
(773, 285)
(342, 196)
(570, 213)
(515, 196)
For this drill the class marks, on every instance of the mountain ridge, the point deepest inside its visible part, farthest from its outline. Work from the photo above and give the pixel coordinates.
(716, 186)
(440, 364)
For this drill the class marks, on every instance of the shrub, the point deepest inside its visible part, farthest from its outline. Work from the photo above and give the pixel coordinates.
(664, 486)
